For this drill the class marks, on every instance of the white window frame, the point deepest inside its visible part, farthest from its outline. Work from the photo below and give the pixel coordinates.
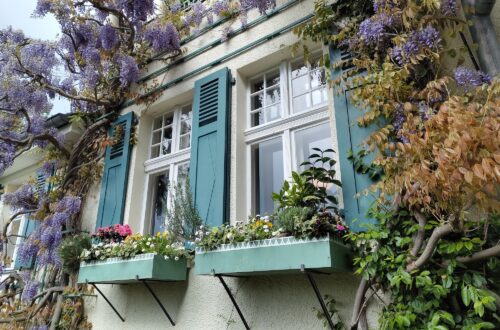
(285, 127)
(158, 165)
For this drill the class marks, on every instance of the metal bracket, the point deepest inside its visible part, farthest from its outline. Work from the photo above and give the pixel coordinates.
(109, 302)
(233, 300)
(157, 300)
(150, 291)
(318, 294)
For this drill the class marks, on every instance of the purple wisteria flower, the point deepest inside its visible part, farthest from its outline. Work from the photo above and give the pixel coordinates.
(27, 250)
(469, 78)
(449, 7)
(22, 199)
(426, 38)
(371, 31)
(219, 7)
(163, 38)
(129, 71)
(109, 37)
(261, 5)
(29, 291)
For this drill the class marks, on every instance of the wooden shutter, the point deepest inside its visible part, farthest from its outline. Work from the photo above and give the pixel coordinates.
(209, 170)
(350, 136)
(115, 175)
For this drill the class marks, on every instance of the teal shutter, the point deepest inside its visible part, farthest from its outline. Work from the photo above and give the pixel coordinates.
(29, 227)
(209, 170)
(350, 136)
(115, 175)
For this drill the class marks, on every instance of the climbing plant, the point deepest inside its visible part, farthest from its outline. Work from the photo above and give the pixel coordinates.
(434, 251)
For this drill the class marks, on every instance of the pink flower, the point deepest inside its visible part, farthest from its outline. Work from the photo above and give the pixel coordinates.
(340, 227)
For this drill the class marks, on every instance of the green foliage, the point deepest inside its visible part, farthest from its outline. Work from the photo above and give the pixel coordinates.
(182, 217)
(309, 188)
(71, 249)
(291, 218)
(373, 171)
(334, 313)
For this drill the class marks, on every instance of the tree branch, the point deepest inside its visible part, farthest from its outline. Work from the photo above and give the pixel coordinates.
(436, 235)
(358, 302)
(481, 255)
(419, 238)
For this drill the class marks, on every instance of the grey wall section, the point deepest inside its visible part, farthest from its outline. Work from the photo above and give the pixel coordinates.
(268, 302)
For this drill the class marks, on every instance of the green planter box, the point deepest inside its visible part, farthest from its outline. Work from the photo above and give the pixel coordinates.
(144, 267)
(276, 255)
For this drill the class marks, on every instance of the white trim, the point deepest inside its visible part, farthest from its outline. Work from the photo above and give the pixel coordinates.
(152, 166)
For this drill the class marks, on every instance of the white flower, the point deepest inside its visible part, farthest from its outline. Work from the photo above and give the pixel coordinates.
(265, 227)
(176, 258)
(152, 246)
(97, 252)
(266, 230)
(166, 258)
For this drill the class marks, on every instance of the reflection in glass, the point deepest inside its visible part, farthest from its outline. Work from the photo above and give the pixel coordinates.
(267, 174)
(160, 198)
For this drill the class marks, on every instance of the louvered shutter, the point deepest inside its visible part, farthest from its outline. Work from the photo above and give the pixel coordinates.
(115, 175)
(350, 136)
(209, 170)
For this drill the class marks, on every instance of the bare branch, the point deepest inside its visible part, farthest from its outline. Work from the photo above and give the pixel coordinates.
(419, 238)
(436, 235)
(481, 255)
(358, 302)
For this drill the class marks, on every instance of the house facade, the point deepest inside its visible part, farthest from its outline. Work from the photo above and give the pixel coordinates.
(236, 113)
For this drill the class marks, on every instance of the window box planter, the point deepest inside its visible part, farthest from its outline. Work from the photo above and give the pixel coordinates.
(148, 267)
(276, 255)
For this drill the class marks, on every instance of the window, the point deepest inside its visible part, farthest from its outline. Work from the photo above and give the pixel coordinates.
(168, 164)
(288, 117)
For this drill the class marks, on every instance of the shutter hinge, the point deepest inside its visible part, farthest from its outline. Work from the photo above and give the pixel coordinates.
(233, 81)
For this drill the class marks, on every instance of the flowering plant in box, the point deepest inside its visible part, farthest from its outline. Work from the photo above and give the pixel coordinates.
(161, 243)
(111, 234)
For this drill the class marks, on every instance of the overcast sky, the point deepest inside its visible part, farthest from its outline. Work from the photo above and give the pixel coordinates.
(17, 13)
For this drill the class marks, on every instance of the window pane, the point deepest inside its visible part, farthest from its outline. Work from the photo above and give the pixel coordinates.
(301, 103)
(155, 151)
(257, 118)
(166, 147)
(317, 97)
(298, 69)
(309, 138)
(273, 112)
(160, 202)
(167, 133)
(267, 173)
(157, 123)
(300, 85)
(272, 78)
(318, 78)
(168, 120)
(257, 85)
(257, 101)
(185, 141)
(182, 172)
(273, 96)
(156, 137)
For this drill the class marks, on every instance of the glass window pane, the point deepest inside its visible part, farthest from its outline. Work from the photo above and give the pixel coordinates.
(272, 78)
(156, 137)
(301, 103)
(300, 85)
(160, 202)
(185, 141)
(166, 147)
(273, 96)
(317, 97)
(318, 78)
(182, 172)
(273, 112)
(155, 151)
(167, 133)
(267, 174)
(298, 69)
(257, 118)
(168, 120)
(257, 85)
(324, 95)
(313, 137)
(157, 123)
(185, 126)
(257, 100)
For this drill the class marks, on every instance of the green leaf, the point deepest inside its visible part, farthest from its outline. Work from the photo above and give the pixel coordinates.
(465, 295)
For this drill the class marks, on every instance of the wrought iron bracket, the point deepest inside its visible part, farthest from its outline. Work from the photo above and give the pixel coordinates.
(148, 287)
(233, 300)
(310, 277)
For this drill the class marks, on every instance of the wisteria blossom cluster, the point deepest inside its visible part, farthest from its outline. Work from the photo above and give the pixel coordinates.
(469, 78)
(162, 243)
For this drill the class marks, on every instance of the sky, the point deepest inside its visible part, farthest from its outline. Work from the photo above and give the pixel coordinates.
(17, 13)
